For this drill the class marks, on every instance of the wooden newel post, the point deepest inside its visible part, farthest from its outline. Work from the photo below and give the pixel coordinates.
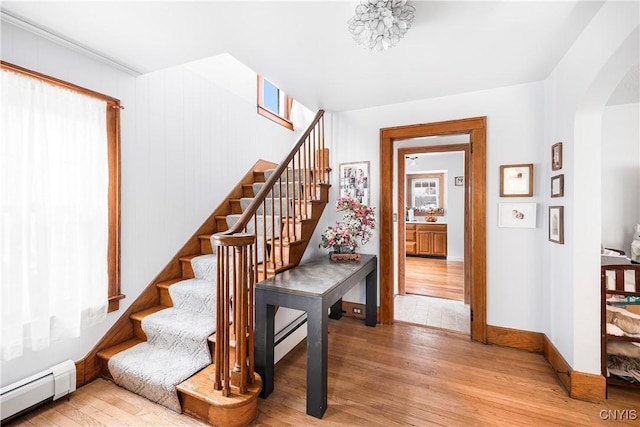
(234, 316)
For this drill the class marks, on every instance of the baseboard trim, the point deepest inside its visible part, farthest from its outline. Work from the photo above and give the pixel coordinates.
(515, 338)
(588, 387)
(578, 385)
(558, 364)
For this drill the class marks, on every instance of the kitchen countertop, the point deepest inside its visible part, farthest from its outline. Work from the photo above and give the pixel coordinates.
(422, 221)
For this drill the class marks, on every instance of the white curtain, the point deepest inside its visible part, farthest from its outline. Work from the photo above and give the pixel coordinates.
(54, 229)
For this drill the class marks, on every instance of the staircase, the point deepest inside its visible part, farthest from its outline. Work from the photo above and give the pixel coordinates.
(261, 229)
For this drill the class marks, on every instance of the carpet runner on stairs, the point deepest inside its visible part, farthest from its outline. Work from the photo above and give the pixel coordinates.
(176, 346)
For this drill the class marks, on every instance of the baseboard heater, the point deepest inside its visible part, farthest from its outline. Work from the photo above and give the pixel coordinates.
(48, 385)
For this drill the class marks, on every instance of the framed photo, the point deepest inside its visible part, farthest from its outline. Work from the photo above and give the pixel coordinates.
(354, 181)
(556, 156)
(556, 224)
(557, 186)
(516, 180)
(517, 215)
(459, 180)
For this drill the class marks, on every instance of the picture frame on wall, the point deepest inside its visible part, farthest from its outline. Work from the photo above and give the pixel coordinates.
(459, 181)
(516, 180)
(557, 186)
(556, 224)
(354, 181)
(517, 215)
(556, 156)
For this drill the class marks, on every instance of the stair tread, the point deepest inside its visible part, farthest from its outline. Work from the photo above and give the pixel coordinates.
(109, 352)
(139, 315)
(286, 242)
(166, 284)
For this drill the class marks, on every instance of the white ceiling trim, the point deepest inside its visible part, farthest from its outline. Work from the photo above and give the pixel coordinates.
(62, 41)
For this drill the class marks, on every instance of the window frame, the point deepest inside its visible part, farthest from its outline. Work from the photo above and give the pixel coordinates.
(283, 119)
(439, 178)
(113, 193)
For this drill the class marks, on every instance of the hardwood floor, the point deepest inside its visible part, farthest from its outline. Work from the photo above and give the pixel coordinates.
(400, 375)
(434, 277)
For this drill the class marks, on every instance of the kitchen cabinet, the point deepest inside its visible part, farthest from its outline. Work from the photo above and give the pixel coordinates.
(410, 241)
(426, 239)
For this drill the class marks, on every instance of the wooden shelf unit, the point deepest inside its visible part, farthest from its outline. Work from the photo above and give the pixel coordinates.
(619, 271)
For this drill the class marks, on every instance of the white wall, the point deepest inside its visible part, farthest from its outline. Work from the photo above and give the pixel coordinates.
(514, 135)
(453, 164)
(575, 95)
(185, 144)
(620, 175)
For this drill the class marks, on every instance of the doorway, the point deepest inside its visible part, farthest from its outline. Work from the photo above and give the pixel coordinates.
(433, 289)
(475, 224)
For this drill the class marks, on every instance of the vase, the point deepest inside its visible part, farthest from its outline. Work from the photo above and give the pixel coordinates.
(340, 257)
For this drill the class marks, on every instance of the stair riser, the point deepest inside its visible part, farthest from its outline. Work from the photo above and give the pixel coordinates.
(288, 251)
(187, 270)
(221, 223)
(280, 258)
(104, 369)
(165, 298)
(258, 176)
(137, 330)
(205, 245)
(297, 229)
(247, 190)
(235, 206)
(322, 193)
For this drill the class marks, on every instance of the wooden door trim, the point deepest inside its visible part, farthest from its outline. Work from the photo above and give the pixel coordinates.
(475, 251)
(402, 248)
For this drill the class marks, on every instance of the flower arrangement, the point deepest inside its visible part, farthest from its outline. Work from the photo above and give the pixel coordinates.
(355, 229)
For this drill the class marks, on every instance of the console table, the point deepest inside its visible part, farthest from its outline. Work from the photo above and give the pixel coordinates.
(315, 287)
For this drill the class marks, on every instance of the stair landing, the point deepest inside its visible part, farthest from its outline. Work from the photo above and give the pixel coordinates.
(235, 410)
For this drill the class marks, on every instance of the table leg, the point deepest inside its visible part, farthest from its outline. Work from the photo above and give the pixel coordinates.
(335, 312)
(371, 298)
(317, 355)
(264, 333)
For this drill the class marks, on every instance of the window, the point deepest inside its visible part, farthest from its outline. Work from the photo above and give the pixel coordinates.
(426, 192)
(273, 103)
(60, 218)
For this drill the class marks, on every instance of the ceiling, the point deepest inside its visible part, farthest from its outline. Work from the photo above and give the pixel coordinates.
(305, 49)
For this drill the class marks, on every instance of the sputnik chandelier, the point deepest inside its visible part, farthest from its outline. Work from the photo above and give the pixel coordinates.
(380, 24)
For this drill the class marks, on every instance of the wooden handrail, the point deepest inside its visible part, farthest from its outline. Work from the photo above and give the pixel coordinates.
(251, 210)
(239, 255)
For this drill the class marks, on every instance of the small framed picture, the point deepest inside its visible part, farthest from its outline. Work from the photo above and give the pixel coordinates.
(516, 180)
(354, 181)
(556, 224)
(556, 156)
(459, 180)
(557, 186)
(517, 215)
